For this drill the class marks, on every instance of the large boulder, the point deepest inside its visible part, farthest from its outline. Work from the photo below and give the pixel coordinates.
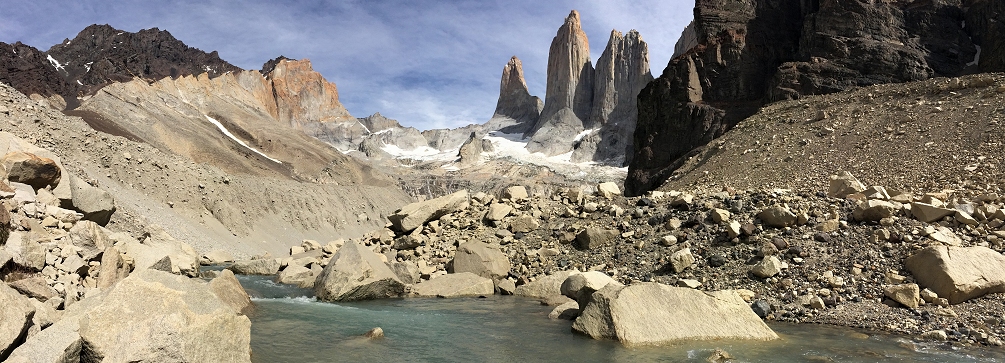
(778, 217)
(608, 190)
(265, 266)
(357, 273)
(31, 169)
(157, 245)
(96, 204)
(516, 192)
(90, 237)
(414, 215)
(929, 213)
(464, 284)
(59, 343)
(34, 287)
(544, 287)
(25, 251)
(591, 238)
(580, 287)
(216, 257)
(958, 273)
(481, 259)
(113, 268)
(874, 210)
(649, 313)
(226, 288)
(152, 315)
(15, 319)
(498, 211)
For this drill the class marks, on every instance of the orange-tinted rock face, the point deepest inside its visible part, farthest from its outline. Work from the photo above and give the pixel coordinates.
(303, 96)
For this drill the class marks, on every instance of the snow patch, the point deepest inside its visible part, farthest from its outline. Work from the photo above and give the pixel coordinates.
(977, 57)
(424, 153)
(88, 66)
(384, 131)
(232, 137)
(78, 82)
(364, 126)
(583, 134)
(515, 146)
(55, 63)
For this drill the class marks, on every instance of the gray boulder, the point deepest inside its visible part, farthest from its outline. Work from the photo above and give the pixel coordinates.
(649, 313)
(152, 315)
(15, 319)
(357, 273)
(481, 259)
(25, 251)
(567, 311)
(778, 217)
(843, 184)
(544, 287)
(591, 238)
(90, 237)
(96, 204)
(414, 215)
(229, 291)
(34, 287)
(464, 284)
(580, 287)
(958, 273)
(156, 246)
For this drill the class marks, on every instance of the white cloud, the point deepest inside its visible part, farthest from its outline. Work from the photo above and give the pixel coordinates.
(427, 64)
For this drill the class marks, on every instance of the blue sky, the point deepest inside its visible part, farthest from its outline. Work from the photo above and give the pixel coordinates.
(428, 64)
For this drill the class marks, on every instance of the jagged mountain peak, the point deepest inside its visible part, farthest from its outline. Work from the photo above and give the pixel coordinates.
(272, 63)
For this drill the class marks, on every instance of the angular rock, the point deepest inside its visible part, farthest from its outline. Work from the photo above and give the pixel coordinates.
(946, 236)
(216, 257)
(567, 311)
(958, 273)
(151, 315)
(545, 287)
(266, 266)
(591, 237)
(843, 184)
(929, 213)
(637, 314)
(15, 319)
(517, 192)
(414, 215)
(581, 286)
(608, 190)
(769, 266)
(905, 294)
(228, 289)
(681, 260)
(481, 259)
(523, 224)
(31, 169)
(34, 287)
(113, 268)
(407, 271)
(91, 238)
(873, 210)
(778, 217)
(357, 273)
(158, 244)
(96, 204)
(295, 275)
(59, 343)
(25, 251)
(498, 211)
(464, 284)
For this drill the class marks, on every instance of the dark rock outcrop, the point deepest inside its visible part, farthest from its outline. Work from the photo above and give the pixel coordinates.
(101, 54)
(29, 71)
(752, 52)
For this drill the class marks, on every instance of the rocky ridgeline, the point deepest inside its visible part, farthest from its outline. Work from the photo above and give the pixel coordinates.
(73, 290)
(926, 265)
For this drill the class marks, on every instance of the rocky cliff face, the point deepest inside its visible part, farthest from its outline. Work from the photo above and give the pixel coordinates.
(622, 71)
(101, 54)
(569, 90)
(303, 96)
(27, 70)
(752, 52)
(515, 101)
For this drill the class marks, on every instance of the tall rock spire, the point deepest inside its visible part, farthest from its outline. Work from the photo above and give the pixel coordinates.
(622, 72)
(515, 100)
(569, 92)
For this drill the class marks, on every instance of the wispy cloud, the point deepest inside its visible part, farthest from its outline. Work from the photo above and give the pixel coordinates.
(427, 64)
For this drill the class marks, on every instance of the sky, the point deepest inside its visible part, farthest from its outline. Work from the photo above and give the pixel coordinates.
(428, 64)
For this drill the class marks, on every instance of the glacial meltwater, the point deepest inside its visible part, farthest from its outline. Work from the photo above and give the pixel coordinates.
(289, 325)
